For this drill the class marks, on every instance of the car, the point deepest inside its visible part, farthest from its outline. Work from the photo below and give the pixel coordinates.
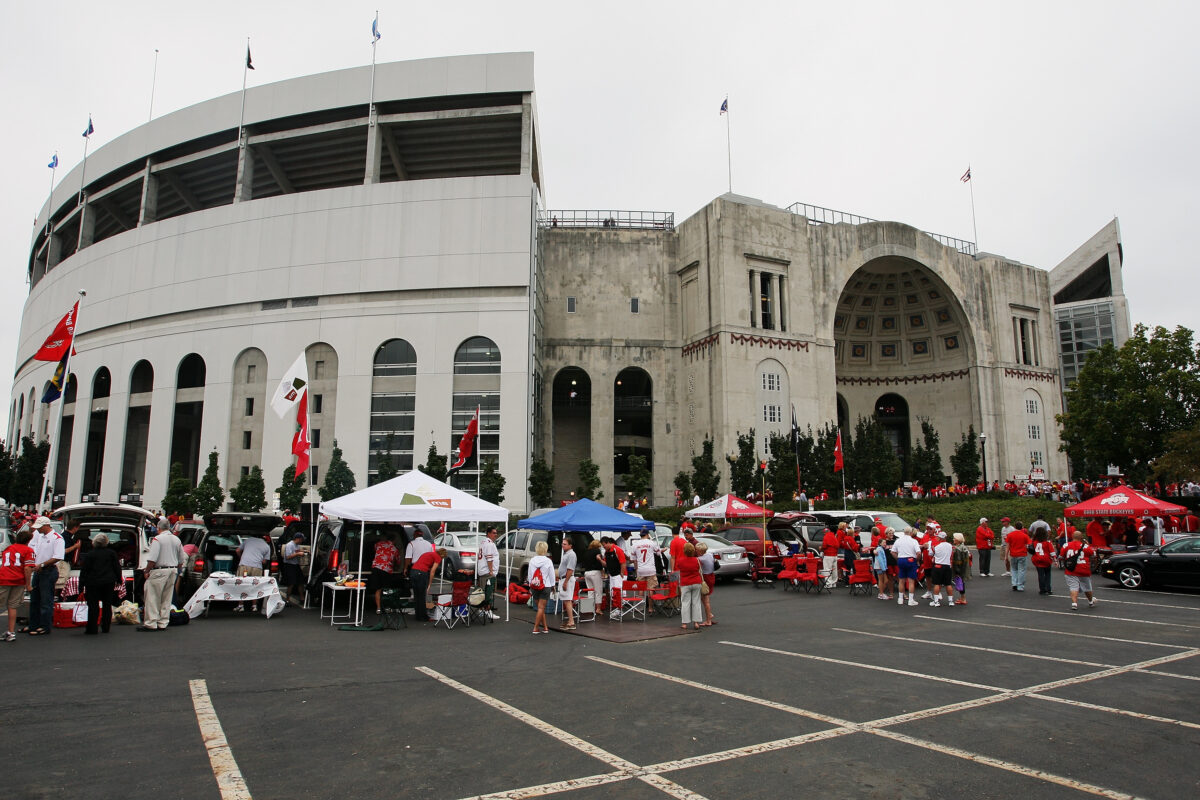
(223, 533)
(462, 546)
(337, 543)
(124, 525)
(865, 520)
(1176, 563)
(730, 559)
(517, 548)
(762, 549)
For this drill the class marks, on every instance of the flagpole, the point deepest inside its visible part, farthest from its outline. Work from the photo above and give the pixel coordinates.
(62, 401)
(153, 83)
(974, 228)
(50, 205)
(796, 453)
(843, 488)
(374, 41)
(83, 170)
(728, 146)
(245, 73)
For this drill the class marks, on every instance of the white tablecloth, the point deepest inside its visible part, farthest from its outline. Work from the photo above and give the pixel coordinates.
(228, 588)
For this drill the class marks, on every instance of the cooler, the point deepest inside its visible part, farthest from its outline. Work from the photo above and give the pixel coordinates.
(222, 564)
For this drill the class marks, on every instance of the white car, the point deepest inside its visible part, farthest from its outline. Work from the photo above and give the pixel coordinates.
(124, 525)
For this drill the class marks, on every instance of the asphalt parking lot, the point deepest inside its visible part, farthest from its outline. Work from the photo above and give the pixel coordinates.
(1012, 695)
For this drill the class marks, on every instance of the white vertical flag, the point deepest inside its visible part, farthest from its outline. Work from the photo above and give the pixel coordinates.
(291, 386)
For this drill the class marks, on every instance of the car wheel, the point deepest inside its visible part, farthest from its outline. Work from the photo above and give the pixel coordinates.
(1131, 577)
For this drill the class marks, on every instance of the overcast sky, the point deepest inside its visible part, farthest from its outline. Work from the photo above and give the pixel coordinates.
(1069, 113)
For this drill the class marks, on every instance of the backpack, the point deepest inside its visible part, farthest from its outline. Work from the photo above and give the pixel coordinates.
(1072, 559)
(536, 582)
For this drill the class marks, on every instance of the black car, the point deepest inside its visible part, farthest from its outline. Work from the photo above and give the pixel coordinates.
(1176, 563)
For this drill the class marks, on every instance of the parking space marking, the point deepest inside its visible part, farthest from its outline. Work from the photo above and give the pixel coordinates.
(925, 677)
(1111, 710)
(1053, 633)
(1170, 674)
(1085, 615)
(225, 769)
(874, 727)
(1142, 591)
(625, 769)
(975, 647)
(1153, 605)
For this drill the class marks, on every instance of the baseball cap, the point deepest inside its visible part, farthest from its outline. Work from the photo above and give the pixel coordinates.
(983, 520)
(1005, 519)
(941, 534)
(41, 521)
(298, 535)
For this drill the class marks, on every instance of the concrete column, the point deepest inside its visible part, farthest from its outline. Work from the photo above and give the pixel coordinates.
(114, 445)
(603, 403)
(214, 425)
(526, 136)
(374, 152)
(244, 186)
(754, 299)
(79, 437)
(158, 447)
(53, 251)
(149, 209)
(87, 226)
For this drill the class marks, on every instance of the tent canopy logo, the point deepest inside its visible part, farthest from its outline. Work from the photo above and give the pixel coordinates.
(1118, 499)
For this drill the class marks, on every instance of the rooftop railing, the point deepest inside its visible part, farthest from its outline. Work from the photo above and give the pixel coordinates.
(636, 220)
(817, 215)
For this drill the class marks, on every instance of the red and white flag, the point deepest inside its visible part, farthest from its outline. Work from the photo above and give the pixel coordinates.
(837, 454)
(56, 344)
(466, 445)
(292, 386)
(300, 442)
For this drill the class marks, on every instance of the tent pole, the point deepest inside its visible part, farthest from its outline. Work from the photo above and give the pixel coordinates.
(507, 576)
(362, 595)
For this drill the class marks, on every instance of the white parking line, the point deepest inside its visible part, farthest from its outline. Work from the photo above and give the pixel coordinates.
(923, 676)
(1052, 633)
(1170, 674)
(1111, 710)
(1086, 615)
(1141, 591)
(230, 782)
(1153, 605)
(974, 647)
(626, 769)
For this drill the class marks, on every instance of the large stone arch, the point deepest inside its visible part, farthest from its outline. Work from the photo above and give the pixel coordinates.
(571, 442)
(633, 422)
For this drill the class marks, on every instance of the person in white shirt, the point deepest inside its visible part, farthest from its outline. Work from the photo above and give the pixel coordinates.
(254, 558)
(487, 567)
(418, 547)
(48, 550)
(644, 551)
(908, 554)
(542, 565)
(566, 582)
(942, 551)
(162, 567)
(1005, 529)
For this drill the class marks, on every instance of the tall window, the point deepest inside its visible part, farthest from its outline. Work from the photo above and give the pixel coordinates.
(1031, 406)
(392, 414)
(1035, 432)
(478, 355)
(394, 358)
(487, 443)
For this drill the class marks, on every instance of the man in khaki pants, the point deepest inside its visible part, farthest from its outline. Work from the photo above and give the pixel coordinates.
(162, 567)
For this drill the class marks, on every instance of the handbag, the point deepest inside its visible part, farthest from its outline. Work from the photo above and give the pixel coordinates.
(704, 587)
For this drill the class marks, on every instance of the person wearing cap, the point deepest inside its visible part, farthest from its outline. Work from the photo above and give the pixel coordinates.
(1006, 527)
(48, 547)
(960, 568)
(293, 576)
(985, 542)
(940, 575)
(162, 566)
(487, 567)
(1018, 542)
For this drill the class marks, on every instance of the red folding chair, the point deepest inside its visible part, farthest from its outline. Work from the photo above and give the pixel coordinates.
(810, 575)
(666, 599)
(790, 575)
(630, 601)
(862, 577)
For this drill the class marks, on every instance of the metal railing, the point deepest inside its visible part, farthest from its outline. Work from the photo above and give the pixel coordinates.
(817, 215)
(638, 220)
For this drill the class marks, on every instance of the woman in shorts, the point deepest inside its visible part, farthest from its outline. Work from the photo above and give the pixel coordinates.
(542, 565)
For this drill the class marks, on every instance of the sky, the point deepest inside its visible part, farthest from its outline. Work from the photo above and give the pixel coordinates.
(1068, 113)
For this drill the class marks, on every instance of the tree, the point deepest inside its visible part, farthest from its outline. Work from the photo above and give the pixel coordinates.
(208, 496)
(683, 483)
(1181, 461)
(743, 469)
(704, 472)
(435, 465)
(385, 468)
(339, 479)
(29, 472)
(589, 480)
(638, 479)
(870, 461)
(1127, 402)
(541, 483)
(491, 483)
(925, 464)
(250, 494)
(965, 461)
(178, 499)
(292, 490)
(7, 471)
(781, 468)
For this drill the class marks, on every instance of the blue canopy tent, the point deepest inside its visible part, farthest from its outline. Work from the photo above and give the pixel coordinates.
(587, 515)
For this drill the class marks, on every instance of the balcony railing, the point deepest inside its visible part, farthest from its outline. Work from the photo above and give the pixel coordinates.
(817, 215)
(635, 220)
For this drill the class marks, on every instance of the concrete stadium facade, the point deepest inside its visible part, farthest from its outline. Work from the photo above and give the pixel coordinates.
(408, 254)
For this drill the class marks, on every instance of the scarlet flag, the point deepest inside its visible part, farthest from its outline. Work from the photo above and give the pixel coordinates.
(56, 344)
(837, 454)
(300, 443)
(466, 445)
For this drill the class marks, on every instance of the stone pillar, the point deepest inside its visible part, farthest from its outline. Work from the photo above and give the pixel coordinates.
(149, 209)
(754, 305)
(114, 446)
(243, 188)
(53, 251)
(374, 151)
(158, 446)
(87, 225)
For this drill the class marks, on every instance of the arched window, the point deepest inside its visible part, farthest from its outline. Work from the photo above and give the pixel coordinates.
(478, 355)
(394, 358)
(191, 372)
(101, 383)
(142, 378)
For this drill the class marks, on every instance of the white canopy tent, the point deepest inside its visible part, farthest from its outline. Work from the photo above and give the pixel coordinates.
(412, 497)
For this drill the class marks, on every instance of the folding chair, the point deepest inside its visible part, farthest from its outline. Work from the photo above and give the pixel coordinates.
(811, 576)
(861, 578)
(630, 601)
(392, 604)
(585, 603)
(666, 599)
(454, 608)
(790, 574)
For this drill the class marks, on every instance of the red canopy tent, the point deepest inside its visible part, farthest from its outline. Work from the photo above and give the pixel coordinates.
(728, 506)
(1122, 501)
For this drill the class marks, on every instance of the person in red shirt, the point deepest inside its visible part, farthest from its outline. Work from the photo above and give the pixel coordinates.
(848, 543)
(16, 578)
(1042, 556)
(690, 580)
(1096, 534)
(419, 573)
(1079, 576)
(1018, 553)
(985, 542)
(829, 553)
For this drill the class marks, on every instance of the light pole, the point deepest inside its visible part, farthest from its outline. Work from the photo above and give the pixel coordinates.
(983, 451)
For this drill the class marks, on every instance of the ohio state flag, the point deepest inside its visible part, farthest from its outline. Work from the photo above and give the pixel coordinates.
(292, 386)
(837, 454)
(60, 339)
(300, 442)
(466, 445)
